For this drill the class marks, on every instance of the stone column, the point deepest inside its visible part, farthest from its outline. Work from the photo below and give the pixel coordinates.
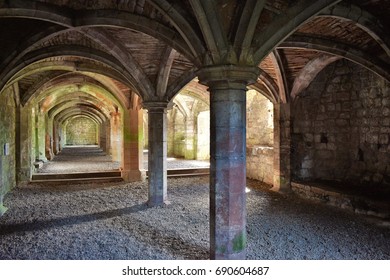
(157, 156)
(24, 150)
(227, 86)
(41, 136)
(56, 139)
(190, 148)
(132, 146)
(282, 147)
(116, 144)
(49, 137)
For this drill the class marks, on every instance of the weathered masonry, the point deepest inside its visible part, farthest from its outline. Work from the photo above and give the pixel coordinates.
(281, 90)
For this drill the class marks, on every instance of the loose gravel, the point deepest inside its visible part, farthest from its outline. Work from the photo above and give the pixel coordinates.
(111, 221)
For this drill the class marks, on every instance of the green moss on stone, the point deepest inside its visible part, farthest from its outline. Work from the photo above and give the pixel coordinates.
(239, 242)
(3, 209)
(221, 250)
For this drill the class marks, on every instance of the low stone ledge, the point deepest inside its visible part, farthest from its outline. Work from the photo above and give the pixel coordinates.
(38, 164)
(259, 150)
(354, 203)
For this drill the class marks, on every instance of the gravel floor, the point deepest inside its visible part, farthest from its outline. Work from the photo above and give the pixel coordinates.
(111, 221)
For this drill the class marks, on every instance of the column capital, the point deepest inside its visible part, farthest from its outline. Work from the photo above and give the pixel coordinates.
(155, 105)
(228, 76)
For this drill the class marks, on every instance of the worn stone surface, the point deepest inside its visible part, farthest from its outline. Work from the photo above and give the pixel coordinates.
(259, 137)
(260, 127)
(81, 131)
(111, 221)
(259, 163)
(203, 136)
(341, 127)
(7, 144)
(282, 147)
(132, 156)
(349, 198)
(157, 163)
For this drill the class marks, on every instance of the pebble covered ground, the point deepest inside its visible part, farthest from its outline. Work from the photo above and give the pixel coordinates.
(111, 221)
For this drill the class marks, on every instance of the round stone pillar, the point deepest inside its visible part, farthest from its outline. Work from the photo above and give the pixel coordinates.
(227, 86)
(157, 155)
(132, 156)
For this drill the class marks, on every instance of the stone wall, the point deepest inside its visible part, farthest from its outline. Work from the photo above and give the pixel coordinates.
(259, 163)
(81, 131)
(178, 134)
(203, 136)
(7, 144)
(341, 127)
(259, 120)
(259, 141)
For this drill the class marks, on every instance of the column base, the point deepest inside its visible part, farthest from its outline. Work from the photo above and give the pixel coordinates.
(134, 175)
(157, 203)
(23, 175)
(236, 256)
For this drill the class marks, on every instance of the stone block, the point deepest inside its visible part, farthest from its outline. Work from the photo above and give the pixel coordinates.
(377, 178)
(384, 139)
(306, 164)
(331, 107)
(372, 138)
(308, 137)
(356, 104)
(346, 106)
(333, 115)
(331, 88)
(345, 115)
(305, 173)
(343, 95)
(378, 102)
(386, 112)
(362, 113)
(317, 138)
(342, 122)
(324, 154)
(385, 102)
(331, 146)
(385, 130)
(327, 97)
(321, 117)
(385, 121)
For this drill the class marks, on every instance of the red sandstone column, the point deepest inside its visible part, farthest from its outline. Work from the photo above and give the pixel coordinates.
(227, 86)
(132, 156)
(116, 144)
(282, 147)
(157, 155)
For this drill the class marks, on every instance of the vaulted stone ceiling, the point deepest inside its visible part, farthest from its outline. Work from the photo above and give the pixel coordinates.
(154, 48)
